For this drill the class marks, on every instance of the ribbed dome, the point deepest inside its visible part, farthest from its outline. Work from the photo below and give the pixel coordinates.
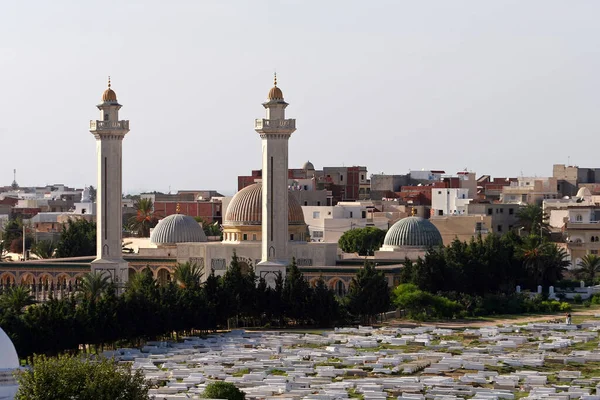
(245, 208)
(275, 94)
(308, 166)
(413, 232)
(177, 228)
(109, 96)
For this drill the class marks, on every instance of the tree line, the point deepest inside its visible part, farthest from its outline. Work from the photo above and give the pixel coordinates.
(96, 317)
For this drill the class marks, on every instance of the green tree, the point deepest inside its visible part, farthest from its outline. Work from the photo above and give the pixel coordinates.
(532, 220)
(16, 299)
(325, 309)
(296, 294)
(419, 304)
(589, 266)
(369, 293)
(93, 286)
(73, 377)
(223, 390)
(77, 239)
(187, 275)
(363, 241)
(144, 217)
(544, 261)
(210, 229)
(43, 249)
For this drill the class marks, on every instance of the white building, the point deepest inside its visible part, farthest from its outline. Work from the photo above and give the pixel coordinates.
(446, 202)
(328, 223)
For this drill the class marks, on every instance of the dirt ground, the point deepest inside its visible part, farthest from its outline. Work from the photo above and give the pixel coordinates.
(460, 324)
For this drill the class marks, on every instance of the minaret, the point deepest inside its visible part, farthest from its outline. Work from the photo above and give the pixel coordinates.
(109, 133)
(275, 132)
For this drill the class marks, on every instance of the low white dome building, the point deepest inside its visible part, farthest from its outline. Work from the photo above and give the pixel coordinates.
(9, 363)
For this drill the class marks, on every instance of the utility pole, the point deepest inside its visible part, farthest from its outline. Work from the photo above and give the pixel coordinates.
(24, 250)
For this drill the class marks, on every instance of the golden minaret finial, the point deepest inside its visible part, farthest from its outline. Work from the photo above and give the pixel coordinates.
(413, 212)
(109, 81)
(178, 209)
(275, 78)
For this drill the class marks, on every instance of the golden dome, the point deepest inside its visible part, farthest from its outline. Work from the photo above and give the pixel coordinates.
(245, 208)
(109, 95)
(275, 93)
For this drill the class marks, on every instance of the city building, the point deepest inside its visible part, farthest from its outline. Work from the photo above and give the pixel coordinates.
(530, 190)
(328, 223)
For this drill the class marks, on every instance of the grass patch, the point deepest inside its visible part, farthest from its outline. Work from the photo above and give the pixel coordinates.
(278, 372)
(241, 373)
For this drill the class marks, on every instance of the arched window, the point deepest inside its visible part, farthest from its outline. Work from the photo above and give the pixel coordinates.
(340, 288)
(593, 239)
(578, 218)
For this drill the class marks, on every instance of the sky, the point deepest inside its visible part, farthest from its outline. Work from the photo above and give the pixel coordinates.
(496, 87)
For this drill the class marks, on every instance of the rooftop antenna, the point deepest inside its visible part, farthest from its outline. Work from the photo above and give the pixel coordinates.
(568, 161)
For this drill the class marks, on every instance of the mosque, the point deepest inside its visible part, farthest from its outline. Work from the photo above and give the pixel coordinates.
(263, 225)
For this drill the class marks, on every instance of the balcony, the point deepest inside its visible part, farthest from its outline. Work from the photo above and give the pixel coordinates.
(588, 225)
(101, 125)
(275, 124)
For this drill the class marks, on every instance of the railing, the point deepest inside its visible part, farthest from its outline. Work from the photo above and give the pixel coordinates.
(94, 125)
(275, 123)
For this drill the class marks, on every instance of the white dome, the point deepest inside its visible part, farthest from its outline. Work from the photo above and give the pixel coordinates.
(9, 362)
(8, 354)
(177, 228)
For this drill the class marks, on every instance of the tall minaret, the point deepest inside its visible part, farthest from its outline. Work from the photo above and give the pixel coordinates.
(109, 133)
(274, 131)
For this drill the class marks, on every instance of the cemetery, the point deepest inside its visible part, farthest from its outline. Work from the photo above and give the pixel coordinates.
(535, 360)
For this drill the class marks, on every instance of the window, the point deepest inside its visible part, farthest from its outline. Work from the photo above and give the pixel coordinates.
(594, 251)
(511, 211)
(440, 212)
(106, 116)
(497, 210)
(464, 196)
(317, 234)
(316, 214)
(245, 236)
(439, 192)
(593, 239)
(341, 178)
(254, 236)
(291, 236)
(500, 228)
(306, 203)
(578, 218)
(490, 211)
(362, 177)
(502, 211)
(318, 203)
(364, 214)
(305, 187)
(351, 214)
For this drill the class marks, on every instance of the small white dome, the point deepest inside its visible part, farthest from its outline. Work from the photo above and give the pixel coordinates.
(177, 228)
(8, 354)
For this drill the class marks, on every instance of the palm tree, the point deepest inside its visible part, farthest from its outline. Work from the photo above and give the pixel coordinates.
(43, 249)
(589, 266)
(16, 298)
(544, 261)
(187, 275)
(141, 281)
(532, 219)
(93, 285)
(144, 219)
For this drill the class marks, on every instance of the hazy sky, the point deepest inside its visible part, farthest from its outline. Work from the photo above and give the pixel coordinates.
(498, 87)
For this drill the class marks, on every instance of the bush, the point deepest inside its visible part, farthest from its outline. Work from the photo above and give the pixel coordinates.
(421, 305)
(587, 304)
(69, 377)
(223, 390)
(577, 299)
(595, 298)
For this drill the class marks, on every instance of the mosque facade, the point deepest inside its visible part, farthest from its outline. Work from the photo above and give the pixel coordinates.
(263, 225)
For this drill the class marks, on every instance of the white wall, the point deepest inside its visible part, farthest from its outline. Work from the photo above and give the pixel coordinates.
(449, 201)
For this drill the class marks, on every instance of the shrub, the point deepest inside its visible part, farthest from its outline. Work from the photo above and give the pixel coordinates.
(223, 390)
(564, 306)
(595, 298)
(69, 377)
(577, 299)
(587, 304)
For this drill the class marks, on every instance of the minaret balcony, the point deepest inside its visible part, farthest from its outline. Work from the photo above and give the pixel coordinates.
(108, 125)
(275, 124)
